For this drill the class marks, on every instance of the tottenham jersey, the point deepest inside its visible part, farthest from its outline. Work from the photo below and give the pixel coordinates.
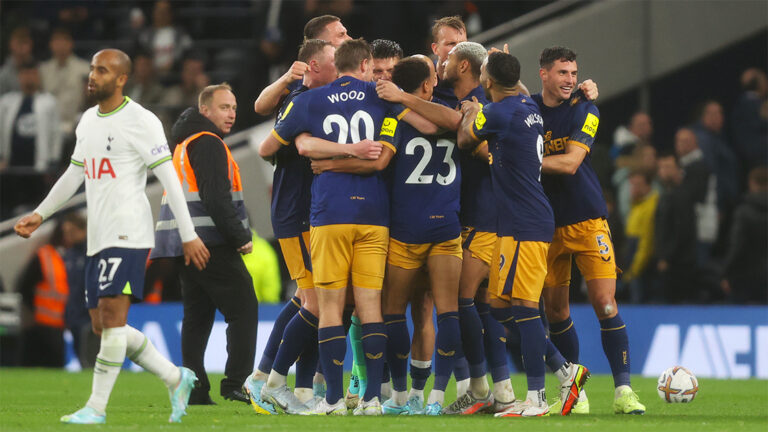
(115, 150)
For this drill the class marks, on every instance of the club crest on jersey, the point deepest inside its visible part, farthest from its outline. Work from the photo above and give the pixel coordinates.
(109, 143)
(104, 169)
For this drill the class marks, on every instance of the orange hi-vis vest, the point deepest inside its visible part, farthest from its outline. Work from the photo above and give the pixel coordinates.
(167, 238)
(52, 291)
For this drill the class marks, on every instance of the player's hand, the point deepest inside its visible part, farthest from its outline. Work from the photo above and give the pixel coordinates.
(494, 49)
(28, 224)
(320, 166)
(366, 149)
(589, 88)
(246, 248)
(662, 265)
(296, 72)
(388, 91)
(470, 107)
(196, 253)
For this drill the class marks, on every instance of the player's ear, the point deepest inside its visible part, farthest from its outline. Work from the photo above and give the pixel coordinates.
(542, 73)
(434, 48)
(122, 79)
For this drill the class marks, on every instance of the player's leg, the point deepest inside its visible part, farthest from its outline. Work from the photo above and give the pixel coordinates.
(495, 343)
(473, 272)
(597, 263)
(368, 267)
(331, 250)
(357, 380)
(423, 344)
(403, 263)
(444, 272)
(295, 252)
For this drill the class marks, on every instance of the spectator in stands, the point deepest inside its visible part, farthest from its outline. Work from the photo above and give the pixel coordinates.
(701, 187)
(750, 120)
(64, 76)
(181, 96)
(143, 86)
(20, 45)
(167, 43)
(639, 235)
(745, 276)
(76, 317)
(30, 140)
(718, 155)
(642, 158)
(638, 131)
(45, 289)
(674, 236)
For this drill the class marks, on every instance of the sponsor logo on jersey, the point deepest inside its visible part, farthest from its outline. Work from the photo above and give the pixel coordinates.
(388, 127)
(105, 169)
(479, 120)
(163, 149)
(590, 125)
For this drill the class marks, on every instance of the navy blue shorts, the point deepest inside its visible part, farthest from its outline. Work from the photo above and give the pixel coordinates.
(115, 271)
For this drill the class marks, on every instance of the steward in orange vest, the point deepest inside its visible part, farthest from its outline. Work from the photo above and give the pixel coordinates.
(211, 182)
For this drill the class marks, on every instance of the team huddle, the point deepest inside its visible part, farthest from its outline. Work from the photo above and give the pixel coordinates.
(398, 180)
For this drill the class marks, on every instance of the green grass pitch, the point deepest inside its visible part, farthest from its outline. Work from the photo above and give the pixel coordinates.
(34, 399)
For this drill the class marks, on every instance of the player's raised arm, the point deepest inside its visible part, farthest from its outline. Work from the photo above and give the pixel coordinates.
(269, 98)
(566, 163)
(66, 186)
(439, 115)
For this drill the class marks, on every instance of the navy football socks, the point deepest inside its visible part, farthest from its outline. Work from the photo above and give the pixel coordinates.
(273, 343)
(332, 345)
(613, 333)
(563, 335)
(398, 349)
(495, 343)
(472, 337)
(374, 345)
(447, 343)
(300, 332)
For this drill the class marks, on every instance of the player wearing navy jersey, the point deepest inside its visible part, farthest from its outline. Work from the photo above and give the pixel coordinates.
(290, 221)
(480, 333)
(570, 125)
(326, 27)
(349, 216)
(513, 129)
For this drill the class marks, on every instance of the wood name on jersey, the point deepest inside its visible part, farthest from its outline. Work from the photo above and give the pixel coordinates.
(105, 168)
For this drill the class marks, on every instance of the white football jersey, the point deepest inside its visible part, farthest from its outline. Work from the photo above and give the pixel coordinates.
(115, 150)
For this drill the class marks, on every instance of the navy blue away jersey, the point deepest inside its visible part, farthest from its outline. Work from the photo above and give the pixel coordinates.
(477, 207)
(291, 185)
(425, 181)
(576, 197)
(344, 111)
(513, 128)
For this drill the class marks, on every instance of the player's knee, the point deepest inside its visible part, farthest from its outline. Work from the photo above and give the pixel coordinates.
(557, 311)
(605, 306)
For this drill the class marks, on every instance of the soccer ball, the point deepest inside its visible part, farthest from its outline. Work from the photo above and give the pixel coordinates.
(677, 385)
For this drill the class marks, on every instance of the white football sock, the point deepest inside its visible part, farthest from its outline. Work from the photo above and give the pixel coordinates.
(109, 361)
(415, 392)
(142, 352)
(276, 380)
(318, 378)
(259, 375)
(461, 387)
(436, 396)
(386, 390)
(503, 392)
(303, 394)
(582, 396)
(537, 397)
(400, 398)
(618, 391)
(563, 373)
(479, 386)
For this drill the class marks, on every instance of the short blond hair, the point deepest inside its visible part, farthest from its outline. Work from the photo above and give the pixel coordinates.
(453, 22)
(207, 94)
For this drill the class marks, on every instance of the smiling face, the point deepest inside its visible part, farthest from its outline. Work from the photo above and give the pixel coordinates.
(382, 68)
(559, 81)
(446, 38)
(221, 110)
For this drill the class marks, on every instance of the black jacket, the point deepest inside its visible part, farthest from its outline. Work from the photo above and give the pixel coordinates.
(746, 263)
(209, 162)
(675, 236)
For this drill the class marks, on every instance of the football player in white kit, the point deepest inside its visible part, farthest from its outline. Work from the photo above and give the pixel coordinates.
(117, 141)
